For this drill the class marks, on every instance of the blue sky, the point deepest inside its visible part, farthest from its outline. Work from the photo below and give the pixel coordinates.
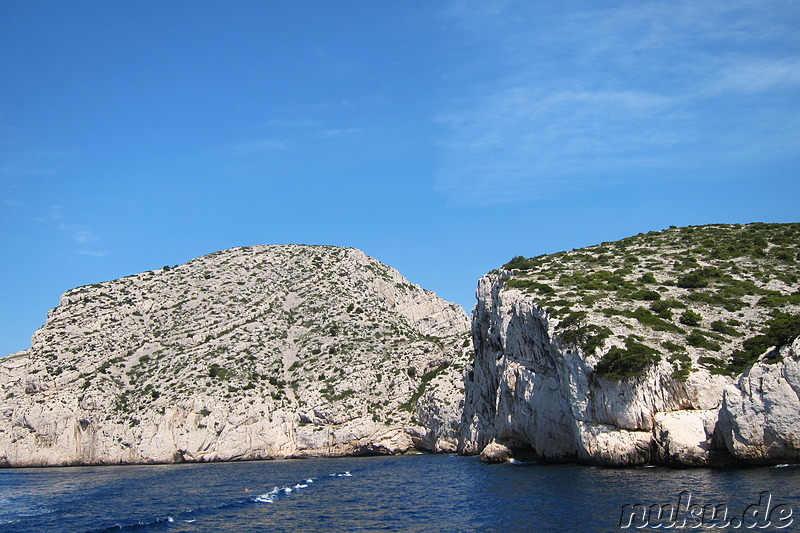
(442, 138)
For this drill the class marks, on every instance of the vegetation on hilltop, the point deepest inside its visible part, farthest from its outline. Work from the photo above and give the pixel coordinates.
(280, 327)
(715, 296)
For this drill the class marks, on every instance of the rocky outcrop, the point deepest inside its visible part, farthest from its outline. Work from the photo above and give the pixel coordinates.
(495, 453)
(544, 400)
(760, 415)
(543, 383)
(257, 352)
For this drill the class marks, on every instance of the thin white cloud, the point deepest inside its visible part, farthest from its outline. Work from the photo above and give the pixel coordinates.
(28, 170)
(337, 132)
(93, 253)
(284, 133)
(33, 163)
(751, 77)
(260, 145)
(78, 234)
(474, 12)
(309, 128)
(523, 142)
(298, 123)
(572, 96)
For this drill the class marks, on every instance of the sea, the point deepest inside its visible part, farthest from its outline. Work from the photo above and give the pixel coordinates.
(413, 493)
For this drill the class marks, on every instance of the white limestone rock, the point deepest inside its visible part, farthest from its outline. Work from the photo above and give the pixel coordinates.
(543, 400)
(256, 352)
(760, 415)
(684, 438)
(495, 452)
(608, 445)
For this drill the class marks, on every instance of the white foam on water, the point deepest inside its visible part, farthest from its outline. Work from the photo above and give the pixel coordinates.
(170, 519)
(270, 496)
(35, 512)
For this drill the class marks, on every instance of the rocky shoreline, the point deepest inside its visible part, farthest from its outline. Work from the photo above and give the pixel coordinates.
(532, 398)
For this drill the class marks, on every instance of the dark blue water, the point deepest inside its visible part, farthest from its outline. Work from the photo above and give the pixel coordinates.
(410, 493)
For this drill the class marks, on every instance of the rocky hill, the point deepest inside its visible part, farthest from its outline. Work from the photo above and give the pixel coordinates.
(257, 352)
(673, 347)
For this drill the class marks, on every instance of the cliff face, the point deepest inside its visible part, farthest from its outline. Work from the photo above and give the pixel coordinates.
(650, 350)
(258, 352)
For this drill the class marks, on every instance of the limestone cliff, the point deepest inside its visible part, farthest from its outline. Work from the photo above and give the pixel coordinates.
(256, 352)
(674, 347)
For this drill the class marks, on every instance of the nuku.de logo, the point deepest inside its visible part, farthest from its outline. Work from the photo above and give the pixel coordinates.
(691, 515)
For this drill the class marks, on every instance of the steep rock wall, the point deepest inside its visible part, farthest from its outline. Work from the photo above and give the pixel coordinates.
(544, 400)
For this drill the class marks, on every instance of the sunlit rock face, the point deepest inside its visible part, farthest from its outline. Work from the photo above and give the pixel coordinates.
(256, 352)
(633, 352)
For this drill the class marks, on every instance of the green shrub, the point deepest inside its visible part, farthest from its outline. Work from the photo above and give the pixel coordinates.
(217, 371)
(692, 280)
(682, 371)
(780, 330)
(718, 298)
(690, 318)
(721, 326)
(779, 300)
(516, 283)
(519, 263)
(633, 360)
(590, 300)
(736, 287)
(699, 340)
(673, 347)
(699, 278)
(646, 295)
(601, 280)
(647, 318)
(648, 278)
(576, 332)
(680, 361)
(662, 309)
